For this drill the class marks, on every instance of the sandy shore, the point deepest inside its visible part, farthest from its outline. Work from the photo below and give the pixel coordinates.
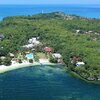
(4, 69)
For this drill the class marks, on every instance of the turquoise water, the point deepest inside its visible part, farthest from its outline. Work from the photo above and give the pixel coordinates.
(92, 11)
(45, 83)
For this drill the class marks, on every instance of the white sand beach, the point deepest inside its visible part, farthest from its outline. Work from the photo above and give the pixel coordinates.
(4, 68)
(15, 66)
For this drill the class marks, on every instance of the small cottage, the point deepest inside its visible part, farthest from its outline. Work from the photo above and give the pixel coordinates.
(58, 56)
(78, 64)
(34, 41)
(1, 36)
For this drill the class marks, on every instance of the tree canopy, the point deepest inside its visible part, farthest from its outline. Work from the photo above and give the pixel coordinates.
(58, 31)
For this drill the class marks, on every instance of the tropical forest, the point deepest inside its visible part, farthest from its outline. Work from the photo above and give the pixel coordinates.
(76, 38)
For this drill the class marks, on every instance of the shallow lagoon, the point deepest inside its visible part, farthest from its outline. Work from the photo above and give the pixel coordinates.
(45, 83)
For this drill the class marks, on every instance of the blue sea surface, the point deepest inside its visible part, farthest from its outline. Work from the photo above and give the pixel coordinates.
(45, 83)
(91, 11)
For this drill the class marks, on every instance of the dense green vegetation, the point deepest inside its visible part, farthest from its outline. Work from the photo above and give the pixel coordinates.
(58, 31)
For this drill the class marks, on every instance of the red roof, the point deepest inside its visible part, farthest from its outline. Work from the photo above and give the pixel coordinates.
(48, 49)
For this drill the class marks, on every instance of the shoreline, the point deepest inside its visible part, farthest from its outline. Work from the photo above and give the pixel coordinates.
(4, 68)
(74, 74)
(12, 67)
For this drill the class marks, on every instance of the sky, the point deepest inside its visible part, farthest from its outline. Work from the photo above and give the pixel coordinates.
(49, 1)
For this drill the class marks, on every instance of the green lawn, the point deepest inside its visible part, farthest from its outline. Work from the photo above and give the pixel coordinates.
(41, 55)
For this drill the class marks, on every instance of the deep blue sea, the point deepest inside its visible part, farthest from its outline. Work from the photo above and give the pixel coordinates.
(45, 82)
(91, 11)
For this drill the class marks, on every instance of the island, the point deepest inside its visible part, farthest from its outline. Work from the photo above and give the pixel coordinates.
(55, 38)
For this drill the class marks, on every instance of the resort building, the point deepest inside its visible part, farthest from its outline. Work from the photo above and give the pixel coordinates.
(1, 37)
(78, 64)
(48, 49)
(34, 41)
(28, 46)
(58, 56)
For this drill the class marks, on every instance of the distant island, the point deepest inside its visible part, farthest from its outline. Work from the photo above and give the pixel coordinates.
(56, 37)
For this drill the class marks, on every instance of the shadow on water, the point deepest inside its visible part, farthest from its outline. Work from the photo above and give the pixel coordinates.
(45, 83)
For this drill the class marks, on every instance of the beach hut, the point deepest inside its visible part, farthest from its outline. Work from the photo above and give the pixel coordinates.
(11, 54)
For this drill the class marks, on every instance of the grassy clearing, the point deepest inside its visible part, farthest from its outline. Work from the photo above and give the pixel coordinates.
(41, 55)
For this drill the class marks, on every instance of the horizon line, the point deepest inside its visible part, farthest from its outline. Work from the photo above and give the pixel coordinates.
(50, 4)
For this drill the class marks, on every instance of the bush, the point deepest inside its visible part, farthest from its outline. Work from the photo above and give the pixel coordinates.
(20, 61)
(82, 71)
(7, 61)
(0, 61)
(53, 60)
(31, 60)
(36, 58)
